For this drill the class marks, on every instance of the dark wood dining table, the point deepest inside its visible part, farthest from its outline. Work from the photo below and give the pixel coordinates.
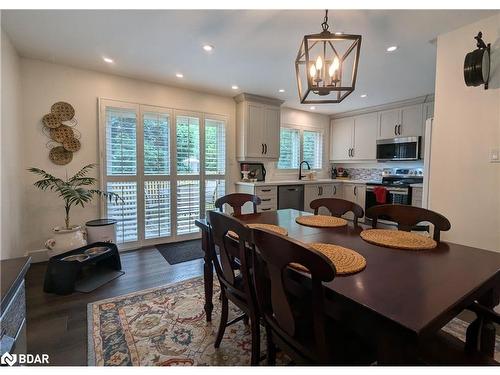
(403, 297)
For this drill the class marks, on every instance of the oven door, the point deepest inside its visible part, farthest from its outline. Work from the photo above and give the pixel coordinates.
(394, 195)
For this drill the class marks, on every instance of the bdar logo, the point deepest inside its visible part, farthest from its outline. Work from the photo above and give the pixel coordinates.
(8, 359)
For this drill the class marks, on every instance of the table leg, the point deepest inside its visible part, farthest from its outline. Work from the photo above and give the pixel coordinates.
(481, 332)
(396, 348)
(208, 273)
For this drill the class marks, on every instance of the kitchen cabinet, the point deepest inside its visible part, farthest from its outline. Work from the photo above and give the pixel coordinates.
(268, 195)
(353, 138)
(416, 196)
(337, 191)
(316, 191)
(257, 128)
(354, 193)
(428, 110)
(401, 122)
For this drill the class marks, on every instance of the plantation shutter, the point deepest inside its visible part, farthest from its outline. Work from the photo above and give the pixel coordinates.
(289, 148)
(313, 148)
(215, 147)
(121, 150)
(188, 145)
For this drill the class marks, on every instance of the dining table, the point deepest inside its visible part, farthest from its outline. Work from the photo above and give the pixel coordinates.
(402, 298)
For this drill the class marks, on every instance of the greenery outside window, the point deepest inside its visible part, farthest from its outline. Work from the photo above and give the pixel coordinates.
(297, 145)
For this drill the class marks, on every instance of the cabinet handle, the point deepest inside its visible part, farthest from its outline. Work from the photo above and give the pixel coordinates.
(352, 152)
(265, 209)
(396, 129)
(265, 148)
(355, 190)
(262, 145)
(265, 200)
(399, 129)
(265, 190)
(334, 190)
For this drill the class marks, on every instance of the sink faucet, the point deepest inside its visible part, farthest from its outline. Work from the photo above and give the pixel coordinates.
(300, 168)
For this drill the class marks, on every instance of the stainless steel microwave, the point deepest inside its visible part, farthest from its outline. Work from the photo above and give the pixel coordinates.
(403, 148)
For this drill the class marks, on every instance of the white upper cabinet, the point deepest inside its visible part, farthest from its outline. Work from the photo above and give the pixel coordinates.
(353, 138)
(365, 133)
(401, 122)
(341, 138)
(257, 128)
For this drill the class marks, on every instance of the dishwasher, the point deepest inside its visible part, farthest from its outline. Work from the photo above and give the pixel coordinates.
(291, 196)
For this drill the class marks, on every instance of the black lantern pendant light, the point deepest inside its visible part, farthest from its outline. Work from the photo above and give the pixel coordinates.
(327, 66)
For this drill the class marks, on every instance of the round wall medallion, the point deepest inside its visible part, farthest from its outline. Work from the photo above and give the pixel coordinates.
(51, 121)
(58, 155)
(62, 133)
(72, 144)
(64, 111)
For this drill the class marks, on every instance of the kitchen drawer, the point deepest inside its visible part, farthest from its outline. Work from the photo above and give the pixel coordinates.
(265, 208)
(265, 190)
(267, 200)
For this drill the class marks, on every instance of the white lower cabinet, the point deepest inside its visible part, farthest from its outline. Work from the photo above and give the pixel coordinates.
(268, 195)
(354, 193)
(316, 191)
(416, 197)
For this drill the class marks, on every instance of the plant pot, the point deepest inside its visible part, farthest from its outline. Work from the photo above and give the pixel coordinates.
(65, 240)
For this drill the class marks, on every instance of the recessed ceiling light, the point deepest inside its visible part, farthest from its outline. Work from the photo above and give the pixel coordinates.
(179, 75)
(208, 47)
(234, 87)
(363, 95)
(392, 48)
(108, 60)
(312, 108)
(281, 90)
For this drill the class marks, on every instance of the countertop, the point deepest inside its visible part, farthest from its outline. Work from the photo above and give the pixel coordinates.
(12, 274)
(303, 182)
(417, 185)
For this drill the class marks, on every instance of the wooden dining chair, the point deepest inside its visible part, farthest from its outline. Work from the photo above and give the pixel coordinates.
(236, 201)
(235, 287)
(297, 325)
(407, 217)
(338, 207)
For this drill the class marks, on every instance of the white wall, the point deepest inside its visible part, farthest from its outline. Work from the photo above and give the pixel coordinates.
(464, 185)
(44, 84)
(304, 120)
(12, 152)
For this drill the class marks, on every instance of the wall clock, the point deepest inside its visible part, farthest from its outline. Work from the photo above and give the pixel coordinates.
(477, 64)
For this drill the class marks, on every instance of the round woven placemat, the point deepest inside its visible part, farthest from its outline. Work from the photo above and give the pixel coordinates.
(58, 155)
(72, 144)
(270, 227)
(346, 261)
(51, 121)
(321, 221)
(64, 111)
(398, 239)
(62, 133)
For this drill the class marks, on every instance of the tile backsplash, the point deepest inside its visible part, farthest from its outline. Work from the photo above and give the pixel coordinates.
(368, 174)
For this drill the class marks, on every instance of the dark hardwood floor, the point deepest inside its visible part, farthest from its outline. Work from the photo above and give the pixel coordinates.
(57, 325)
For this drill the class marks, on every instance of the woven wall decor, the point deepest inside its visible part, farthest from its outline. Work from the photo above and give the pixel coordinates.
(58, 155)
(51, 121)
(64, 111)
(59, 126)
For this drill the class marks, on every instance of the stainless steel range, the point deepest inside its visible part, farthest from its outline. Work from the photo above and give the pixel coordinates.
(394, 189)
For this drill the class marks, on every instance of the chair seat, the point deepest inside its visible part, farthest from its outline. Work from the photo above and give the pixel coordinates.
(446, 349)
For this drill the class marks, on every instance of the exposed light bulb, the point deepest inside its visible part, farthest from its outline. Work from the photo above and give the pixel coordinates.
(319, 63)
(334, 67)
(312, 71)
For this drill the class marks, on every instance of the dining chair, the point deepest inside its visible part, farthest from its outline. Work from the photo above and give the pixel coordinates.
(236, 287)
(236, 201)
(295, 323)
(407, 217)
(338, 207)
(446, 349)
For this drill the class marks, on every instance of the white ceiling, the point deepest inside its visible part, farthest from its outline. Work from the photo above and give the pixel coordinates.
(253, 49)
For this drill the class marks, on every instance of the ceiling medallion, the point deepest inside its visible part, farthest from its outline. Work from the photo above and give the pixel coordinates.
(327, 65)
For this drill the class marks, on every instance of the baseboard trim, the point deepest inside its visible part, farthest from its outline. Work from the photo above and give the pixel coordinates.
(38, 256)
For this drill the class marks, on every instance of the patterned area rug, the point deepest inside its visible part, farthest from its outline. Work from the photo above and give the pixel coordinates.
(166, 326)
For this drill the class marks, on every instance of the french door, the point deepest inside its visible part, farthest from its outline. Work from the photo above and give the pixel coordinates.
(169, 167)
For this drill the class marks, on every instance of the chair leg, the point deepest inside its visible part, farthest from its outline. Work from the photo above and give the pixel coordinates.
(223, 319)
(271, 349)
(255, 327)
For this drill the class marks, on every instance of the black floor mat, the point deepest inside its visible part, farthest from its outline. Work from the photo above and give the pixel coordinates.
(178, 252)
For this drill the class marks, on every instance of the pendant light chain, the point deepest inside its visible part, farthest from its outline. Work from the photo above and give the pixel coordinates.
(324, 25)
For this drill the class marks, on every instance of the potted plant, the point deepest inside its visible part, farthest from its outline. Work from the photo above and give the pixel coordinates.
(74, 191)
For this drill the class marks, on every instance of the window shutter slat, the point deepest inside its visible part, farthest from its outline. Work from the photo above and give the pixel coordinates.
(188, 206)
(289, 148)
(121, 150)
(157, 209)
(188, 145)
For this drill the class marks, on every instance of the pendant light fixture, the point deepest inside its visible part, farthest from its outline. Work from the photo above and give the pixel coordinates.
(327, 65)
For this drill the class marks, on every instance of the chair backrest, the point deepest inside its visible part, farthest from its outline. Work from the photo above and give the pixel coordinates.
(230, 248)
(271, 257)
(409, 216)
(338, 207)
(236, 201)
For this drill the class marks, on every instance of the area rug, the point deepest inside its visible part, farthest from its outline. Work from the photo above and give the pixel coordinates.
(178, 252)
(166, 326)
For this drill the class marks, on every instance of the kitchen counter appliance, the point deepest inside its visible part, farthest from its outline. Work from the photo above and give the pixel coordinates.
(398, 189)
